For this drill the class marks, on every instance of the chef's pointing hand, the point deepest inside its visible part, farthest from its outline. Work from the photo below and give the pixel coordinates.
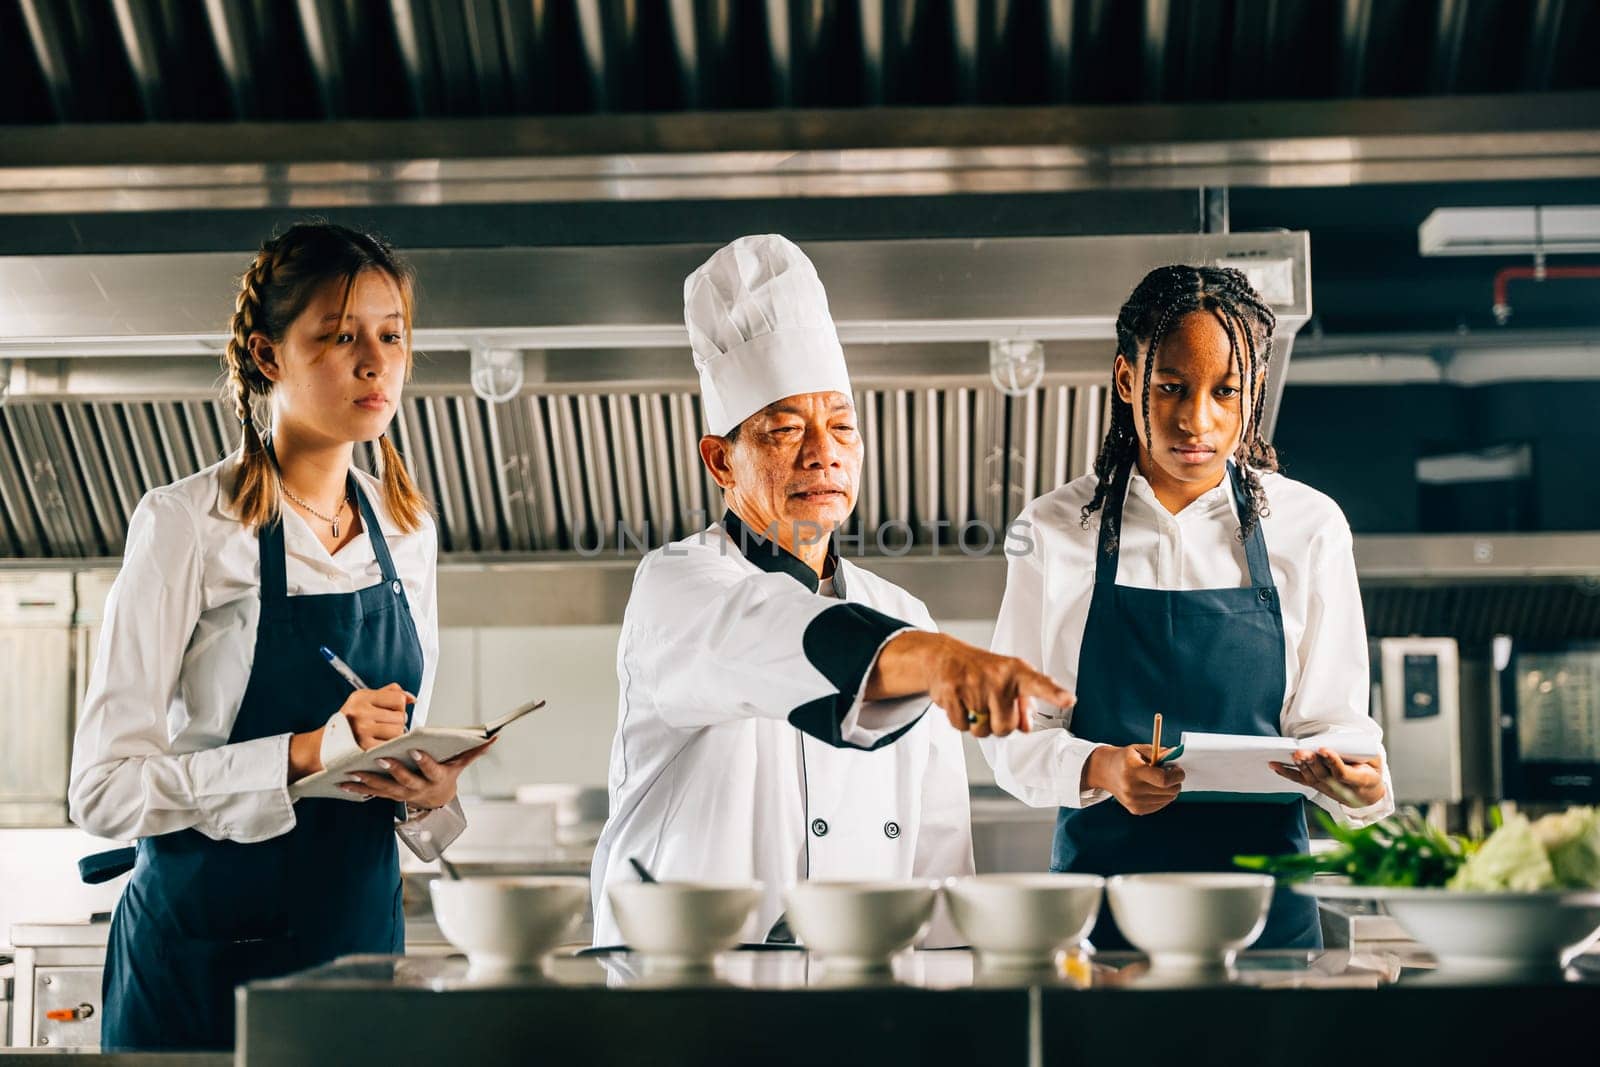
(978, 690)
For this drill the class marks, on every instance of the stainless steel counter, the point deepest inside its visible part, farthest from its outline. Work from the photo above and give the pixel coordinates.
(781, 1006)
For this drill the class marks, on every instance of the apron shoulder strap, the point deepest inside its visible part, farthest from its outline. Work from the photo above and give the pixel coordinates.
(380, 547)
(1105, 565)
(274, 580)
(1255, 546)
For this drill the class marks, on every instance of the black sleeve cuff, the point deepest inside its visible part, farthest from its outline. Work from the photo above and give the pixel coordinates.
(842, 642)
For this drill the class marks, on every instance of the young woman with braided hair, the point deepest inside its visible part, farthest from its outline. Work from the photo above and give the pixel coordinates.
(209, 696)
(1186, 576)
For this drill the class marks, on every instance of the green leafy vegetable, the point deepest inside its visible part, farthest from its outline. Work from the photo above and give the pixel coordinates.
(1560, 851)
(1402, 850)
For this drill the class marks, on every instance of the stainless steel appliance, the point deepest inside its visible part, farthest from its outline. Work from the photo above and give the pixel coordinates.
(1419, 704)
(1550, 720)
(36, 696)
(56, 998)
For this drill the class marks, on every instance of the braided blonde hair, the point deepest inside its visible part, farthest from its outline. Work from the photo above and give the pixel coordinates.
(280, 282)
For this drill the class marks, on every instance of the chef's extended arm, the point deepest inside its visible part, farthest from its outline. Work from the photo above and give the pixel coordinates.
(714, 646)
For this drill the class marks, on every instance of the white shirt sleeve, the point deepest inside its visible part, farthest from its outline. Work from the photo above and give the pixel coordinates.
(1043, 768)
(1334, 689)
(127, 782)
(711, 645)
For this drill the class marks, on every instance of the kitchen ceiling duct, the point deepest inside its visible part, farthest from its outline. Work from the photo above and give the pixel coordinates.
(114, 385)
(239, 60)
(1505, 231)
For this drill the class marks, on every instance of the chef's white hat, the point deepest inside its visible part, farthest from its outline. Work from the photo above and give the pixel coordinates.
(760, 329)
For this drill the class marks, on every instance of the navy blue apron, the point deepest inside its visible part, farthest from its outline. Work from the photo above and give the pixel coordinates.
(1211, 661)
(200, 917)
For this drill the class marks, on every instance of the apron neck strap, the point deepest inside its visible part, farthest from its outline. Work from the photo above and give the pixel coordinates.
(274, 584)
(1255, 546)
(369, 521)
(1105, 565)
(274, 579)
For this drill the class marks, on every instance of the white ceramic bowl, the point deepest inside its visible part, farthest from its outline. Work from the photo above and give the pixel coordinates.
(1509, 933)
(682, 925)
(1020, 920)
(507, 924)
(1189, 922)
(859, 926)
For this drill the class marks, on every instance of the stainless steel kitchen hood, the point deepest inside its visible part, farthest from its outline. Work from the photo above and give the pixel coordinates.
(1046, 288)
(111, 374)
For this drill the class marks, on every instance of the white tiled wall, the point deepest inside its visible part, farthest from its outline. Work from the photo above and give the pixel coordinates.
(487, 671)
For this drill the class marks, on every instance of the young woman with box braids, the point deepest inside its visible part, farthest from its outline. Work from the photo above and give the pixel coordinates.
(1212, 590)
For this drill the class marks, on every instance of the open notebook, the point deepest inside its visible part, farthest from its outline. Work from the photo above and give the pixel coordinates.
(1234, 766)
(440, 742)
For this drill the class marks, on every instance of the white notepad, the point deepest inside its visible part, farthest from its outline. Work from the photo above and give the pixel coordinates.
(440, 742)
(1237, 763)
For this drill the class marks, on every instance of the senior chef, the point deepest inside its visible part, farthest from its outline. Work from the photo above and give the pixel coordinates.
(773, 722)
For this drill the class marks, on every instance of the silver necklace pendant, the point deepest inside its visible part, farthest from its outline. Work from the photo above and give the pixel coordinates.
(332, 520)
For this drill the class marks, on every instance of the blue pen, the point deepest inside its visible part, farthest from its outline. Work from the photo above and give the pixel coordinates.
(343, 668)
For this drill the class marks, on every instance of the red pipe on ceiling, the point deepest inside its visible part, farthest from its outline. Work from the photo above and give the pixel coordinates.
(1538, 273)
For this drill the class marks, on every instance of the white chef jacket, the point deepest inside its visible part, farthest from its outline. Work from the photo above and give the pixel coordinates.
(1050, 581)
(174, 658)
(710, 778)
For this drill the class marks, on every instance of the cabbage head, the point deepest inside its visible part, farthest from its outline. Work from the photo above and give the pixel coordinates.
(1572, 840)
(1511, 858)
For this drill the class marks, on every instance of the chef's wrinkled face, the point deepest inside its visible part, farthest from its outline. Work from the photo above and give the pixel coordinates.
(339, 368)
(796, 463)
(1195, 392)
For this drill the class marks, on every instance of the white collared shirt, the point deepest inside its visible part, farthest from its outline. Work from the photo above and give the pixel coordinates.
(1049, 584)
(175, 653)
